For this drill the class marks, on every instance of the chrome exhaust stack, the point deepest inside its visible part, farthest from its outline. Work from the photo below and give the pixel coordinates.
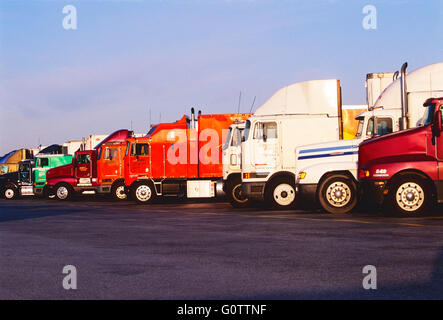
(405, 117)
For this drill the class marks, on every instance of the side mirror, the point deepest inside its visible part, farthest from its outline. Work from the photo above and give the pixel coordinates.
(265, 138)
(437, 125)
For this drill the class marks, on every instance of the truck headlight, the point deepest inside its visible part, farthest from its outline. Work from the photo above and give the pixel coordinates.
(302, 175)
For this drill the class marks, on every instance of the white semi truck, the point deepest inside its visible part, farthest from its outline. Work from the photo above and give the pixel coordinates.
(304, 112)
(327, 172)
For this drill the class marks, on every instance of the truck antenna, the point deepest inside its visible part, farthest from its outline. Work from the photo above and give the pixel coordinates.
(252, 105)
(239, 102)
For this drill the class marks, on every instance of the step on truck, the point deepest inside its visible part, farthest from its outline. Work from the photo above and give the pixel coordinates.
(297, 114)
(100, 170)
(180, 159)
(327, 172)
(404, 170)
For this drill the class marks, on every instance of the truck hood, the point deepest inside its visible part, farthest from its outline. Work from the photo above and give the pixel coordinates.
(11, 176)
(59, 171)
(332, 146)
(389, 147)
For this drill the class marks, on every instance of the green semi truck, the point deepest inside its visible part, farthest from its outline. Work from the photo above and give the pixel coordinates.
(30, 179)
(43, 163)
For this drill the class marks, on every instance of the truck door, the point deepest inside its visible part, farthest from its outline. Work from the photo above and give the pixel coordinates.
(25, 178)
(265, 144)
(111, 166)
(139, 162)
(83, 169)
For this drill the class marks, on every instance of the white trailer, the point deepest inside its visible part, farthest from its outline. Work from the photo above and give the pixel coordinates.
(328, 171)
(302, 112)
(376, 83)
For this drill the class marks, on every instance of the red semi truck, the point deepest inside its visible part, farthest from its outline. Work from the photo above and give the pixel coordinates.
(99, 170)
(183, 158)
(404, 170)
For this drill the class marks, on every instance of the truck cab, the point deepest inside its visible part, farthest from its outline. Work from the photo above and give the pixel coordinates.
(232, 165)
(179, 159)
(18, 183)
(78, 176)
(327, 172)
(303, 112)
(42, 163)
(100, 170)
(403, 170)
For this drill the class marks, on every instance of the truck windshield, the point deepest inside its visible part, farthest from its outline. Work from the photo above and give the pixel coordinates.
(228, 139)
(247, 129)
(429, 115)
(361, 122)
(42, 162)
(236, 137)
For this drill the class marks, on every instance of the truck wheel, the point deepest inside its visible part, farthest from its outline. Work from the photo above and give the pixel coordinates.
(337, 194)
(63, 191)
(118, 191)
(143, 192)
(10, 192)
(235, 194)
(281, 193)
(410, 196)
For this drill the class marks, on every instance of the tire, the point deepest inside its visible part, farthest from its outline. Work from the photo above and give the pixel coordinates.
(143, 192)
(409, 196)
(118, 191)
(235, 194)
(63, 191)
(280, 194)
(338, 194)
(10, 192)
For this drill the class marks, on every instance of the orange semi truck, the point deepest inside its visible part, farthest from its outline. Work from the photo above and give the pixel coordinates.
(99, 170)
(183, 158)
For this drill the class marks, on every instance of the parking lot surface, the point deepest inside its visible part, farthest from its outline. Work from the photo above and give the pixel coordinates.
(190, 250)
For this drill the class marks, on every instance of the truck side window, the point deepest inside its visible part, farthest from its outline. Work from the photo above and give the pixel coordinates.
(268, 129)
(271, 130)
(83, 159)
(384, 126)
(141, 149)
(111, 153)
(43, 162)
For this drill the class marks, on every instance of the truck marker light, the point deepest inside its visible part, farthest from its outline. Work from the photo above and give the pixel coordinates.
(367, 173)
(302, 175)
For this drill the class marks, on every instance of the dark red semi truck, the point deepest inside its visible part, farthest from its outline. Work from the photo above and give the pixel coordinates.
(404, 170)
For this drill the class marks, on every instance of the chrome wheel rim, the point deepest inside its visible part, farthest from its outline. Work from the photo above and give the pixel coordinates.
(284, 194)
(62, 193)
(143, 193)
(338, 194)
(410, 196)
(9, 193)
(120, 193)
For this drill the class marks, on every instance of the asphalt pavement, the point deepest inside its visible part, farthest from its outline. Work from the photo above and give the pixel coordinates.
(194, 250)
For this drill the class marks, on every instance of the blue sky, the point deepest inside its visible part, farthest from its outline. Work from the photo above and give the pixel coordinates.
(127, 57)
